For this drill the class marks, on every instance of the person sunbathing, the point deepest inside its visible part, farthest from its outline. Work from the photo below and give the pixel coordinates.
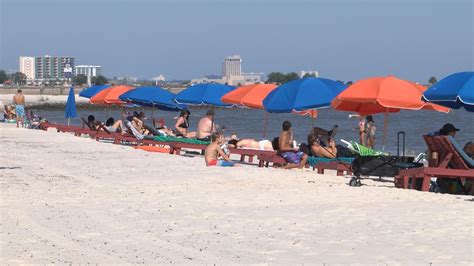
(251, 144)
(214, 151)
(91, 123)
(182, 125)
(318, 150)
(114, 126)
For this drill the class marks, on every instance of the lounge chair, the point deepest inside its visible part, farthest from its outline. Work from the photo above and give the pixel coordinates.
(453, 163)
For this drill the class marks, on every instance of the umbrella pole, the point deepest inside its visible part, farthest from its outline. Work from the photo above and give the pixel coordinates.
(385, 131)
(265, 124)
(68, 121)
(212, 120)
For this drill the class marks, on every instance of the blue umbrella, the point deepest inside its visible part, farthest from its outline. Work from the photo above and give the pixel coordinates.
(454, 91)
(152, 96)
(205, 94)
(92, 91)
(302, 94)
(70, 106)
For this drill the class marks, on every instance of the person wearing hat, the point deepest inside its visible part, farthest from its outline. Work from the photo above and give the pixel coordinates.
(206, 126)
(447, 130)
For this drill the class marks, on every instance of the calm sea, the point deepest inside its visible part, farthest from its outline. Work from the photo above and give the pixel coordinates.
(250, 123)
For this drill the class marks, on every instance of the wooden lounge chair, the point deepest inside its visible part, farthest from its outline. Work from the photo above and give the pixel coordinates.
(340, 167)
(450, 165)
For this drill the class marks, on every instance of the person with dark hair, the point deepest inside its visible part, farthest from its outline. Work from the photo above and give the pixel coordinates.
(182, 124)
(214, 151)
(447, 130)
(91, 123)
(19, 102)
(370, 131)
(206, 126)
(287, 149)
(324, 151)
(113, 126)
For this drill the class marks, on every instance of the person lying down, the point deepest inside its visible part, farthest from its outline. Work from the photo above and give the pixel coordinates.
(251, 144)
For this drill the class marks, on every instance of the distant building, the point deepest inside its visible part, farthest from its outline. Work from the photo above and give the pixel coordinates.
(232, 66)
(251, 78)
(27, 67)
(47, 67)
(88, 71)
(309, 72)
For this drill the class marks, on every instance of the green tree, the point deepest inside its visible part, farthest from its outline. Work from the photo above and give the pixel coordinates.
(432, 80)
(291, 76)
(276, 77)
(19, 78)
(99, 80)
(80, 79)
(309, 75)
(3, 76)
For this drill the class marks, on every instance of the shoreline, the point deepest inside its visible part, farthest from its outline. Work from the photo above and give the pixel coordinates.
(67, 199)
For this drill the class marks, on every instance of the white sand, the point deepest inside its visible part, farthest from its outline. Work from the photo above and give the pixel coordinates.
(40, 99)
(66, 199)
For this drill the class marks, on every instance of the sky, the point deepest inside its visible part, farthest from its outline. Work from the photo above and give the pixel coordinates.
(185, 39)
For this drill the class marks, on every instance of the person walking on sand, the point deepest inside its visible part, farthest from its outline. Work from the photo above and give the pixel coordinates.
(19, 102)
(214, 151)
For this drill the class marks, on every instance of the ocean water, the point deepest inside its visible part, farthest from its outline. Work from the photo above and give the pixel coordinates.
(249, 123)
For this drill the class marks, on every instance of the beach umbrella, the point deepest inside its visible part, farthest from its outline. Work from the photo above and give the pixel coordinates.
(454, 91)
(153, 96)
(302, 94)
(252, 96)
(70, 106)
(92, 91)
(205, 94)
(110, 95)
(383, 95)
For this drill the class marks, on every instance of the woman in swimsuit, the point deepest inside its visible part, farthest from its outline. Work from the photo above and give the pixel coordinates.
(362, 130)
(370, 131)
(182, 124)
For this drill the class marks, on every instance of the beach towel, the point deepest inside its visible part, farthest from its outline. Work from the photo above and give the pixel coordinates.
(363, 150)
(312, 160)
(183, 140)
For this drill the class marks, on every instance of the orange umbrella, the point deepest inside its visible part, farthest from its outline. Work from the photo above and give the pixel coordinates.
(111, 95)
(250, 95)
(383, 95)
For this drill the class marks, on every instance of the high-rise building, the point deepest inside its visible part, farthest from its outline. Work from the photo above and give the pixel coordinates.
(42, 68)
(27, 67)
(89, 71)
(53, 67)
(232, 66)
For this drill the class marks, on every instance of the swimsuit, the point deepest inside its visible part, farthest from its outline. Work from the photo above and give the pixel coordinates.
(19, 110)
(292, 156)
(220, 163)
(261, 144)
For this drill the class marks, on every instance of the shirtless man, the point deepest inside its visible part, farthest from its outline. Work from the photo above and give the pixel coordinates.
(292, 155)
(251, 144)
(19, 102)
(214, 151)
(205, 129)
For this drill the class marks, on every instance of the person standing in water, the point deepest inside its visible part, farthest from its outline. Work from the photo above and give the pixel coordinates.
(370, 131)
(19, 102)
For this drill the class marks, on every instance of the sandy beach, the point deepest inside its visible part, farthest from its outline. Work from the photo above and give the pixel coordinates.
(66, 199)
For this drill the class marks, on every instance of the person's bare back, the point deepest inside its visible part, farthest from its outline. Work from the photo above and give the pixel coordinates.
(19, 99)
